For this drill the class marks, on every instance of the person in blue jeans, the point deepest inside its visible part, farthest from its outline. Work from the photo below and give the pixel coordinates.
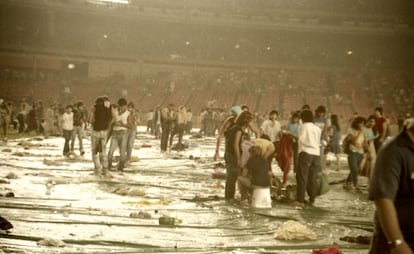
(356, 154)
(232, 155)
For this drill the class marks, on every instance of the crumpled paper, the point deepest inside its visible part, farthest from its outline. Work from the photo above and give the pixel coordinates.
(293, 230)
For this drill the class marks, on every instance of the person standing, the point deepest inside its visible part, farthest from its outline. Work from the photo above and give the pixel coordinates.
(67, 128)
(271, 127)
(121, 124)
(368, 162)
(392, 190)
(150, 120)
(5, 118)
(292, 129)
(156, 122)
(381, 128)
(31, 119)
(179, 127)
(309, 162)
(228, 122)
(233, 152)
(100, 118)
(335, 133)
(322, 122)
(356, 154)
(189, 125)
(78, 121)
(50, 121)
(166, 125)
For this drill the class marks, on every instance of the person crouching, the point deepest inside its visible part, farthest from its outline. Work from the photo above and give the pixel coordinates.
(258, 168)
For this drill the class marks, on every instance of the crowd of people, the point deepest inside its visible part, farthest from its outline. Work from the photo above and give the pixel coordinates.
(305, 140)
(391, 185)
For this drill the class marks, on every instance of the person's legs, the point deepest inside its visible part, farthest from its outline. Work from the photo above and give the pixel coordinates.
(72, 139)
(80, 138)
(245, 186)
(67, 135)
(314, 169)
(95, 146)
(231, 178)
(295, 156)
(304, 162)
(130, 143)
(164, 137)
(112, 147)
(103, 136)
(123, 138)
(20, 119)
(180, 130)
(173, 132)
(354, 159)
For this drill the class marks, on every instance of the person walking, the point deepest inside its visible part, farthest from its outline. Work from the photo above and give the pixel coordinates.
(67, 128)
(121, 124)
(100, 118)
(78, 121)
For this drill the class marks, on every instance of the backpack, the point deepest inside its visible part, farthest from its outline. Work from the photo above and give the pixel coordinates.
(346, 144)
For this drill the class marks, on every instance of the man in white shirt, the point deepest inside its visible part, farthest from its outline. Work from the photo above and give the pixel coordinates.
(66, 124)
(309, 163)
(271, 127)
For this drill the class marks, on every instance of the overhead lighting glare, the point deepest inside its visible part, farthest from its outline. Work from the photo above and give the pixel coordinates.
(109, 1)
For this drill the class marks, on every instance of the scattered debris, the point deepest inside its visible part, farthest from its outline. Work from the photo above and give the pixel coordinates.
(330, 250)
(4, 181)
(203, 199)
(7, 195)
(52, 162)
(167, 220)
(11, 175)
(293, 230)
(218, 175)
(191, 157)
(284, 194)
(140, 215)
(5, 225)
(129, 191)
(27, 144)
(51, 242)
(22, 154)
(134, 159)
(359, 239)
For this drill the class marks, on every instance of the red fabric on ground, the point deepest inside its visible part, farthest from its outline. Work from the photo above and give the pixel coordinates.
(284, 155)
(330, 250)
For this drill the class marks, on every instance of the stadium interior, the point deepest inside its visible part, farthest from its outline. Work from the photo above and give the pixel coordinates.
(350, 55)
